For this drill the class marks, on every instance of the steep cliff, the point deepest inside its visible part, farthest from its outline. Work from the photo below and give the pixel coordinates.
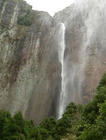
(85, 53)
(47, 62)
(29, 66)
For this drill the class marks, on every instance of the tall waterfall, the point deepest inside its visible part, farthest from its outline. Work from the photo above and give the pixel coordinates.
(85, 51)
(61, 58)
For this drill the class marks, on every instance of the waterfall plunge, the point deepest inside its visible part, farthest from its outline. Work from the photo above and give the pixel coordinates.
(85, 51)
(61, 59)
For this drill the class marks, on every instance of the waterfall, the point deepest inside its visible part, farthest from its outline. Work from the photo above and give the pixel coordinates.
(83, 45)
(61, 59)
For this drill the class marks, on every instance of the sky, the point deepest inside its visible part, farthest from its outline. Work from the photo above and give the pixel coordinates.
(50, 6)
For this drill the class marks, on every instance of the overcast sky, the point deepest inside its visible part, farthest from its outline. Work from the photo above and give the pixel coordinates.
(50, 6)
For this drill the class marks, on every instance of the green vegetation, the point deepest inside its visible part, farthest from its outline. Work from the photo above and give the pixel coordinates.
(78, 122)
(25, 19)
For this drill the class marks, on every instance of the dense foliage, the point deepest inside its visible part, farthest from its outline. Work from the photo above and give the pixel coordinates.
(78, 122)
(25, 19)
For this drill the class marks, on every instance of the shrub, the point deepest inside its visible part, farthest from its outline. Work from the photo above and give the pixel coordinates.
(26, 19)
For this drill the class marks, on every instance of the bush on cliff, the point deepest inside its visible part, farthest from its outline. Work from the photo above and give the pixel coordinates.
(26, 19)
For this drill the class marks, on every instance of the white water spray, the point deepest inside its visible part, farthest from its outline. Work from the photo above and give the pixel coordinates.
(80, 56)
(61, 58)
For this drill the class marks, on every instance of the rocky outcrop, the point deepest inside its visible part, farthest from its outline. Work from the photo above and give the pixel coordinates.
(30, 69)
(85, 54)
(29, 66)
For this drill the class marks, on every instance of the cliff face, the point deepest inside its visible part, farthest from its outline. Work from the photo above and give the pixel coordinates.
(85, 54)
(29, 66)
(30, 45)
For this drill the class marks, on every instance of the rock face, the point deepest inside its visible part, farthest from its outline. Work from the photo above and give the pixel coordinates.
(85, 54)
(30, 69)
